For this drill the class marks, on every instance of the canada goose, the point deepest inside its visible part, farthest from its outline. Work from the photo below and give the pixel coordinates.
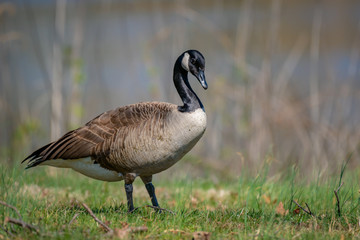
(141, 139)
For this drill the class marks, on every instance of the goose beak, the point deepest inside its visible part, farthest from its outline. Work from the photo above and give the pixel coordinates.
(201, 77)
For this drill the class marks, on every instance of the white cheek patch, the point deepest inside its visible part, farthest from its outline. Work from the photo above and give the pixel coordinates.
(185, 62)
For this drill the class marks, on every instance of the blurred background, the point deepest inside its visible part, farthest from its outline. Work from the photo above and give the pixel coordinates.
(283, 76)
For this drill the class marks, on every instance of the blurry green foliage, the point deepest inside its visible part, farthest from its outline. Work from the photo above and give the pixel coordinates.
(79, 75)
(24, 130)
(20, 140)
(77, 109)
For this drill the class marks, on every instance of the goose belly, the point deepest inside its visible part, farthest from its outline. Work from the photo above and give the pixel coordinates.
(87, 167)
(170, 145)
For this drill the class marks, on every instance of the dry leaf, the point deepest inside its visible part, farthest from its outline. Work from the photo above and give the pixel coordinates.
(126, 230)
(201, 235)
(281, 210)
(267, 199)
(210, 208)
(296, 211)
(194, 201)
(121, 233)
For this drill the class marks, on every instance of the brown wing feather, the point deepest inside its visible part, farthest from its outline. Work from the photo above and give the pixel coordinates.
(98, 136)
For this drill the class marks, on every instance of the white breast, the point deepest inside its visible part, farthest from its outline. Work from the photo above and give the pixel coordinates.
(180, 136)
(87, 167)
(189, 126)
(195, 120)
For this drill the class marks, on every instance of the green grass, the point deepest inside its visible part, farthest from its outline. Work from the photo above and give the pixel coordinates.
(246, 207)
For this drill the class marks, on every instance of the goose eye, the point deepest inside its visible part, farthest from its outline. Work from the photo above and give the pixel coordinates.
(192, 60)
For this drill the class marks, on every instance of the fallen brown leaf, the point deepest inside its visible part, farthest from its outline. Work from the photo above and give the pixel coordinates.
(124, 232)
(201, 235)
(281, 210)
(194, 201)
(121, 233)
(296, 211)
(267, 199)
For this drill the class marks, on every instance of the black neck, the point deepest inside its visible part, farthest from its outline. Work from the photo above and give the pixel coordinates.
(187, 95)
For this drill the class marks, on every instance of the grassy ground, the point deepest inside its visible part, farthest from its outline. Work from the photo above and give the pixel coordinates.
(252, 208)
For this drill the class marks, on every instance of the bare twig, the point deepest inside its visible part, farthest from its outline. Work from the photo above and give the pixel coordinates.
(7, 232)
(161, 209)
(73, 219)
(337, 198)
(108, 229)
(21, 223)
(12, 207)
(307, 211)
(338, 189)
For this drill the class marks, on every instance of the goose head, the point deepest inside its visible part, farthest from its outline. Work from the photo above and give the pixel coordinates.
(194, 62)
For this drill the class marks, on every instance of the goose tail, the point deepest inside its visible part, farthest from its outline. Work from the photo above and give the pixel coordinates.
(36, 157)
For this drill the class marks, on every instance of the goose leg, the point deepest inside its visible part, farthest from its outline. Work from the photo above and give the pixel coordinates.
(129, 191)
(150, 189)
(129, 179)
